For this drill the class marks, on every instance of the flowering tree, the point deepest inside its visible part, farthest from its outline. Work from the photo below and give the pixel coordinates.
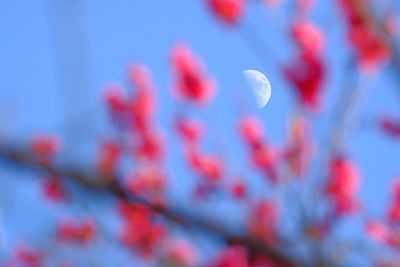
(311, 186)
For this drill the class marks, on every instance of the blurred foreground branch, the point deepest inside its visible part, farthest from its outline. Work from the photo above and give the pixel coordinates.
(23, 157)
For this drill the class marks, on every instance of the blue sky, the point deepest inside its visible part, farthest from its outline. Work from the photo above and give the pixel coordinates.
(37, 96)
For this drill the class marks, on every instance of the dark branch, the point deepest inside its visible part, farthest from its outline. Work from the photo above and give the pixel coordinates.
(107, 184)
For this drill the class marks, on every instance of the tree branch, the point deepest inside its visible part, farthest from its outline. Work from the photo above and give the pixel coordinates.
(23, 157)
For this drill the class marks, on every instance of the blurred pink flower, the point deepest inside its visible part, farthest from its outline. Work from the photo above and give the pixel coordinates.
(229, 11)
(191, 82)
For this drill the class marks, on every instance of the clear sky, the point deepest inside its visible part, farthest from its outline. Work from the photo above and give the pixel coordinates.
(95, 41)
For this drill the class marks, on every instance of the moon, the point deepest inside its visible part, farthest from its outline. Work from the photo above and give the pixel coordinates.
(259, 85)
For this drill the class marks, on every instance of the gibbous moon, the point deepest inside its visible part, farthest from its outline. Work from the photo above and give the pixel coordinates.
(259, 85)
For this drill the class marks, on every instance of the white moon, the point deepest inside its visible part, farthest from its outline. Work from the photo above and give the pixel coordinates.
(259, 85)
